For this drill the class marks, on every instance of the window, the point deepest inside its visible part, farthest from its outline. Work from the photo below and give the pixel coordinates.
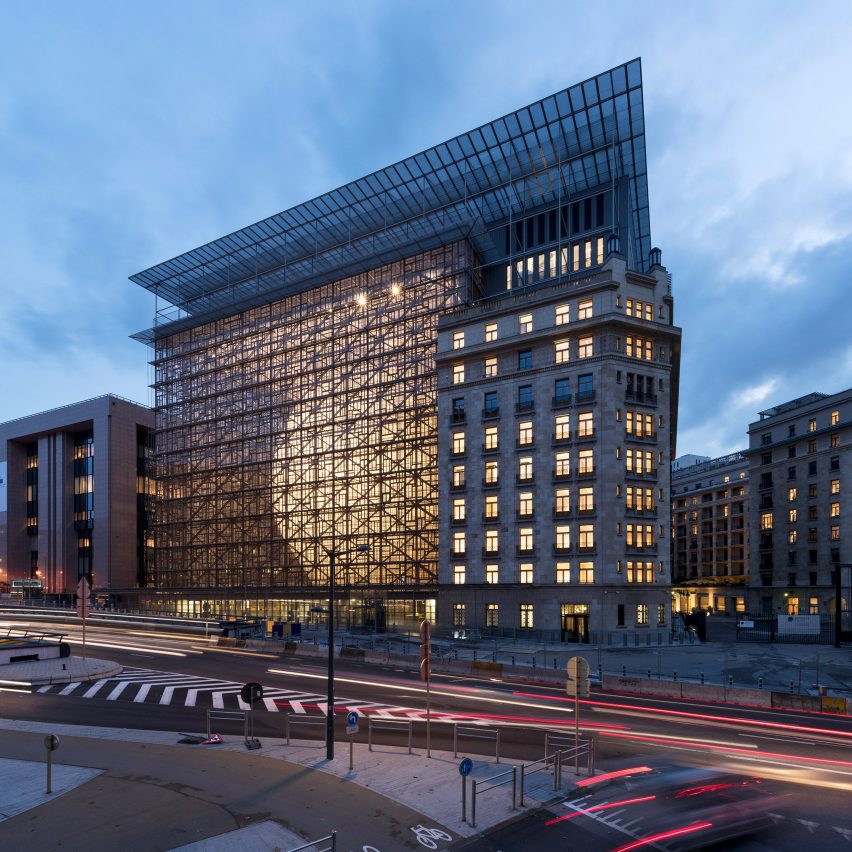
(525, 398)
(640, 572)
(526, 611)
(620, 615)
(812, 448)
(835, 441)
(642, 614)
(490, 438)
(835, 418)
(562, 501)
(792, 516)
(458, 476)
(791, 452)
(812, 468)
(562, 351)
(587, 537)
(792, 606)
(791, 537)
(835, 486)
(458, 574)
(525, 572)
(458, 374)
(563, 572)
(586, 499)
(587, 572)
(812, 425)
(585, 387)
(490, 332)
(459, 544)
(766, 458)
(585, 347)
(492, 541)
(661, 614)
(525, 504)
(813, 606)
(562, 538)
(525, 540)
(561, 391)
(835, 532)
(562, 464)
(525, 359)
(492, 615)
(792, 493)
(766, 438)
(525, 433)
(563, 314)
(834, 463)
(584, 309)
(458, 615)
(458, 340)
(562, 427)
(585, 424)
(492, 573)
(525, 469)
(489, 369)
(491, 510)
(491, 473)
(525, 323)
(586, 461)
(458, 509)
(766, 521)
(490, 405)
(458, 443)
(834, 510)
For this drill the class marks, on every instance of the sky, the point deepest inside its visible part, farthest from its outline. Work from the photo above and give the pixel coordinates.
(130, 133)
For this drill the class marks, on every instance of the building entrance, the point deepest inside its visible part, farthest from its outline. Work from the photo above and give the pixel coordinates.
(575, 623)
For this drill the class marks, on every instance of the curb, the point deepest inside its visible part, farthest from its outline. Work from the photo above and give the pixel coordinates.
(70, 677)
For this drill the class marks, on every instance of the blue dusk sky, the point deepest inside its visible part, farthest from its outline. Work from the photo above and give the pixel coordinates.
(132, 132)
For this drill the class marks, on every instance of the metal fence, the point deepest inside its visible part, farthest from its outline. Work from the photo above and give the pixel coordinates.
(780, 628)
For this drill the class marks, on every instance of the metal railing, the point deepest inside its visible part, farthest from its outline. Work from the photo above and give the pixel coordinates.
(544, 764)
(491, 734)
(396, 725)
(228, 716)
(315, 843)
(300, 719)
(485, 785)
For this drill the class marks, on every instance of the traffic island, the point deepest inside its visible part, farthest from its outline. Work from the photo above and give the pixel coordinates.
(67, 670)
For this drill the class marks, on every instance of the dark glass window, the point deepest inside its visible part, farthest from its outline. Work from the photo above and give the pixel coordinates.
(766, 458)
(525, 397)
(458, 409)
(562, 390)
(621, 615)
(490, 405)
(585, 387)
(525, 359)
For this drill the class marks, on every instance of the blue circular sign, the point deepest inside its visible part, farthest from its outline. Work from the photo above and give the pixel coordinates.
(465, 767)
(352, 718)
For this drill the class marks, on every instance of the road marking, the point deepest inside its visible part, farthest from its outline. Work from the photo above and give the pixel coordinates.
(69, 689)
(143, 693)
(297, 706)
(118, 690)
(45, 688)
(166, 697)
(93, 689)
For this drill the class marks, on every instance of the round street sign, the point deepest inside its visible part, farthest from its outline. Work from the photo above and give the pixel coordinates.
(51, 742)
(251, 693)
(352, 717)
(577, 668)
(465, 767)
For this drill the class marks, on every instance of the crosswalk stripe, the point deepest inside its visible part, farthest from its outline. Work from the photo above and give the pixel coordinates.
(93, 689)
(270, 705)
(218, 702)
(297, 706)
(143, 693)
(45, 688)
(166, 697)
(191, 698)
(69, 689)
(117, 691)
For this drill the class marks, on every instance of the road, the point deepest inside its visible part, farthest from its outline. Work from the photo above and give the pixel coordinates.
(170, 680)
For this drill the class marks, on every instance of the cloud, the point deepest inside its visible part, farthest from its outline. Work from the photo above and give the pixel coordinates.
(752, 396)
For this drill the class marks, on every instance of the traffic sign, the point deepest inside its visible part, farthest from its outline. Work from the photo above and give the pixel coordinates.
(352, 717)
(51, 742)
(251, 693)
(351, 729)
(465, 767)
(83, 604)
(577, 685)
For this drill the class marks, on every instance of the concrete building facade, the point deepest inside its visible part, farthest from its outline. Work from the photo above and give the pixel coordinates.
(75, 497)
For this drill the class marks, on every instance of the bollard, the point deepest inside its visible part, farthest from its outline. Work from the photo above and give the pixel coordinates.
(455, 654)
(533, 664)
(760, 683)
(513, 659)
(474, 654)
(554, 663)
(493, 656)
(730, 680)
(624, 671)
(649, 674)
(791, 687)
(675, 676)
(51, 743)
(702, 678)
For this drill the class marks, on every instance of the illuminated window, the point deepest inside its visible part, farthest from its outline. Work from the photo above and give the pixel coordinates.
(490, 332)
(491, 473)
(492, 573)
(562, 501)
(585, 347)
(813, 606)
(835, 441)
(792, 606)
(766, 520)
(562, 466)
(458, 443)
(586, 499)
(835, 532)
(526, 615)
(584, 309)
(458, 615)
(525, 540)
(492, 615)
(458, 574)
(489, 368)
(563, 538)
(525, 433)
(835, 418)
(587, 536)
(459, 543)
(641, 614)
(492, 541)
(562, 351)
(792, 494)
(661, 614)
(562, 427)
(600, 250)
(525, 504)
(491, 508)
(586, 572)
(525, 323)
(739, 604)
(792, 537)
(458, 340)
(525, 469)
(563, 572)
(835, 486)
(458, 476)
(834, 511)
(792, 516)
(585, 424)
(458, 374)
(640, 572)
(586, 461)
(575, 256)
(458, 509)
(490, 438)
(563, 314)
(525, 572)
(587, 252)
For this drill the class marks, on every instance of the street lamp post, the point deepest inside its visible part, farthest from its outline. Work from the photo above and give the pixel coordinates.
(329, 720)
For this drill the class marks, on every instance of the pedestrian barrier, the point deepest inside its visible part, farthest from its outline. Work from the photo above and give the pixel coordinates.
(510, 776)
(315, 847)
(301, 719)
(544, 764)
(398, 726)
(228, 716)
(491, 734)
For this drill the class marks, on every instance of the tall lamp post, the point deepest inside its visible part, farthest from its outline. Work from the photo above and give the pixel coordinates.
(329, 721)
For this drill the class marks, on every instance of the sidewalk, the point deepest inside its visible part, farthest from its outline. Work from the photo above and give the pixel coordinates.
(154, 794)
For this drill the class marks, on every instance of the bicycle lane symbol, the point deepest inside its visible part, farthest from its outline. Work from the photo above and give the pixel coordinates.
(429, 837)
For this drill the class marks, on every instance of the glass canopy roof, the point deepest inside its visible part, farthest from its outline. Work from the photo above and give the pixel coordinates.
(590, 134)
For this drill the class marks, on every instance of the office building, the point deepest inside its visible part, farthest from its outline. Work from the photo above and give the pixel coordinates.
(800, 467)
(76, 497)
(710, 533)
(297, 390)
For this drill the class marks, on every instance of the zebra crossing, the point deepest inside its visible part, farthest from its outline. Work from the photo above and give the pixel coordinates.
(140, 686)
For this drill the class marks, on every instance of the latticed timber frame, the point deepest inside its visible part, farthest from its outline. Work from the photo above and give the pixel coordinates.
(306, 424)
